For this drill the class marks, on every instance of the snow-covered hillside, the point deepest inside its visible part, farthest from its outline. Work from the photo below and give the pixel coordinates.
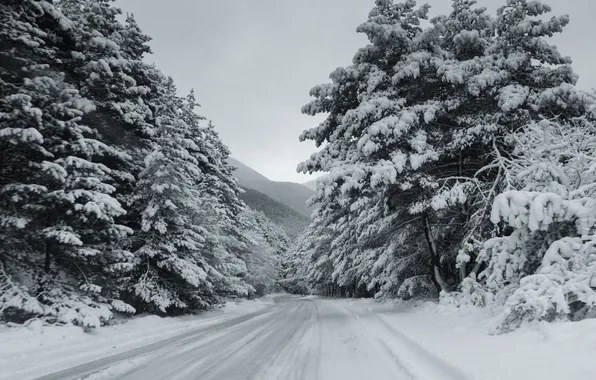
(293, 195)
(312, 184)
(292, 221)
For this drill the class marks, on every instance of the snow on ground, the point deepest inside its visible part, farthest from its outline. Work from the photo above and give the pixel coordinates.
(26, 352)
(554, 351)
(306, 338)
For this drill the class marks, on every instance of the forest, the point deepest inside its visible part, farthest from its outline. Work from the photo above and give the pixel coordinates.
(460, 165)
(457, 162)
(115, 194)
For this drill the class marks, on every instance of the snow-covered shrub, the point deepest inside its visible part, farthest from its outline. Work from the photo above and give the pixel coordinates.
(16, 303)
(563, 286)
(548, 258)
(471, 293)
(417, 287)
(59, 304)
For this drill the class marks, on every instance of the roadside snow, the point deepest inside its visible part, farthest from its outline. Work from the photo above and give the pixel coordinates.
(30, 351)
(461, 338)
(309, 338)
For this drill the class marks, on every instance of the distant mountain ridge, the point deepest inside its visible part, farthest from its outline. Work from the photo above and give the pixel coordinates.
(245, 173)
(290, 194)
(312, 184)
(292, 221)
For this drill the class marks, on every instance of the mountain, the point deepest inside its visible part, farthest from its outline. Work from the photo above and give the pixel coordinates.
(311, 184)
(244, 173)
(293, 195)
(292, 221)
(290, 194)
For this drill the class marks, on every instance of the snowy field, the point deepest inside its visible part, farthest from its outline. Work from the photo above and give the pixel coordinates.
(295, 338)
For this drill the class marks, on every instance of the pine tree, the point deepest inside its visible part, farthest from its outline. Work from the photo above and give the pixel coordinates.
(221, 192)
(420, 130)
(381, 136)
(545, 267)
(85, 224)
(298, 274)
(264, 252)
(106, 63)
(105, 60)
(57, 203)
(173, 272)
(525, 81)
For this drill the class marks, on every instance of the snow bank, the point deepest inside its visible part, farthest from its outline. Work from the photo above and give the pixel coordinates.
(28, 352)
(543, 351)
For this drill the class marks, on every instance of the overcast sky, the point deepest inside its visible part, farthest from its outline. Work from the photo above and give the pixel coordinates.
(253, 62)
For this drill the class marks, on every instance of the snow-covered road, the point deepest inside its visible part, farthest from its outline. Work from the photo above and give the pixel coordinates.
(287, 337)
(293, 339)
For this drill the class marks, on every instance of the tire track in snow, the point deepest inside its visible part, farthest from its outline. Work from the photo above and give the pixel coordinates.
(87, 369)
(416, 361)
(246, 360)
(350, 352)
(297, 339)
(299, 359)
(242, 353)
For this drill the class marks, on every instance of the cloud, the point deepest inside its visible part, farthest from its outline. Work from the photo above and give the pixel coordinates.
(253, 62)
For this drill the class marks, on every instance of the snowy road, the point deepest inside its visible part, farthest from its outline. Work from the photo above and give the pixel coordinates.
(294, 339)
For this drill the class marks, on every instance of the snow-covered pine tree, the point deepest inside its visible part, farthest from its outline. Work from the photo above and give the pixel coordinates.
(187, 253)
(171, 270)
(364, 105)
(545, 269)
(521, 81)
(106, 63)
(531, 89)
(220, 190)
(264, 252)
(80, 110)
(306, 267)
(391, 120)
(424, 120)
(58, 212)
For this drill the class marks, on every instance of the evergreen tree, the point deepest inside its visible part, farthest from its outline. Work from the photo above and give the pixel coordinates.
(57, 205)
(173, 272)
(381, 136)
(221, 192)
(545, 268)
(106, 64)
(420, 130)
(111, 186)
(264, 252)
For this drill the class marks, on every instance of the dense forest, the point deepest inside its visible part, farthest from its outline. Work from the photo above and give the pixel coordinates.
(115, 195)
(460, 162)
(457, 160)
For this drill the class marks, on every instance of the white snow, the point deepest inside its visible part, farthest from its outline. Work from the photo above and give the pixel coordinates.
(460, 337)
(308, 338)
(28, 352)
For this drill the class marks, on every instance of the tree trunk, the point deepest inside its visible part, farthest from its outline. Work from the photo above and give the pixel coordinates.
(48, 259)
(463, 272)
(434, 255)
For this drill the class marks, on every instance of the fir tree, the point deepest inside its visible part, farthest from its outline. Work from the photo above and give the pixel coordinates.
(421, 128)
(264, 252)
(173, 272)
(57, 203)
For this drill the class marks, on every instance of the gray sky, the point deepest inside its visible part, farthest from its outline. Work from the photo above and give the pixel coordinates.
(253, 62)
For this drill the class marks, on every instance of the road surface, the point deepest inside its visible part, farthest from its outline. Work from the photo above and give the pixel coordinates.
(295, 339)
